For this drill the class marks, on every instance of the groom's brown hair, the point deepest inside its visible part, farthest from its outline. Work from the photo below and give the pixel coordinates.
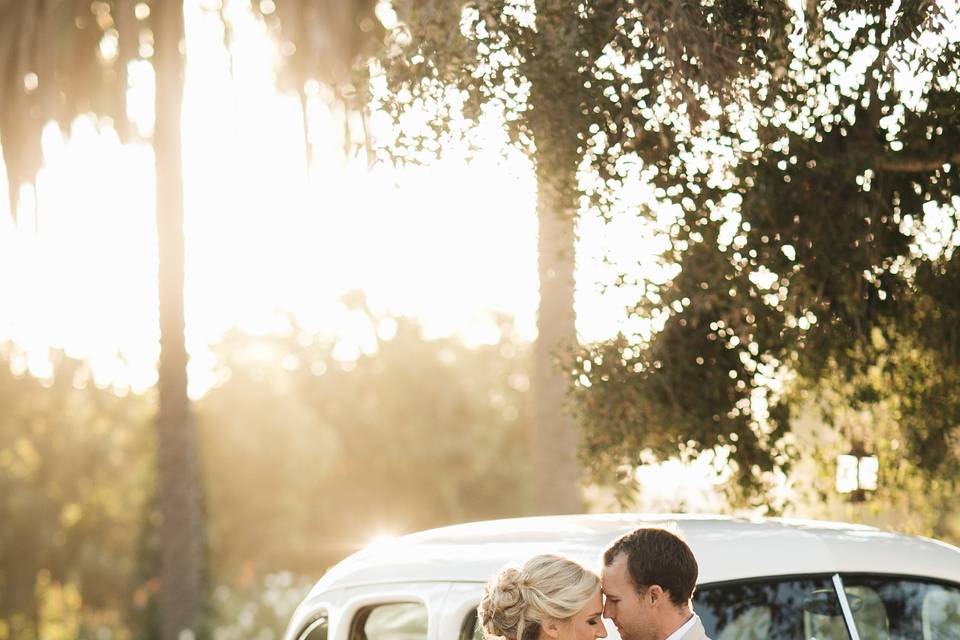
(656, 556)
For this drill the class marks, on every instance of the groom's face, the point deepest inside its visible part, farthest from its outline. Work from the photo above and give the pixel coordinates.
(630, 611)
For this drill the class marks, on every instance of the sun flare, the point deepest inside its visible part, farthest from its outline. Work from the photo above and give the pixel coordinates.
(452, 244)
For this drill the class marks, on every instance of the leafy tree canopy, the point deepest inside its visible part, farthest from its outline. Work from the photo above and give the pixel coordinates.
(803, 162)
(838, 411)
(812, 214)
(587, 61)
(60, 59)
(578, 87)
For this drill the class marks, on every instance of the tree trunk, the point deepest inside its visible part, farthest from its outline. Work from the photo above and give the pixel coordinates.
(181, 529)
(552, 67)
(555, 441)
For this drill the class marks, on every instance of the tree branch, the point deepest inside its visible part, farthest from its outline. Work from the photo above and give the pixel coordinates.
(915, 165)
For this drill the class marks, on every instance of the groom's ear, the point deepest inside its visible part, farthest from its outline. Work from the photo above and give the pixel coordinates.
(550, 627)
(656, 595)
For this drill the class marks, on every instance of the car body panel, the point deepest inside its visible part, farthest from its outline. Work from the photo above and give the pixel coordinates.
(726, 548)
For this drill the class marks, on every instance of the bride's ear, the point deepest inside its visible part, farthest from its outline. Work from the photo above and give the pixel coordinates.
(550, 628)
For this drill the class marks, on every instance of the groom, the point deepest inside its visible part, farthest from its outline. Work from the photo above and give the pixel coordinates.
(648, 579)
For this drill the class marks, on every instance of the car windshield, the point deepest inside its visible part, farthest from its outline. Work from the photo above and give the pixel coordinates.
(809, 608)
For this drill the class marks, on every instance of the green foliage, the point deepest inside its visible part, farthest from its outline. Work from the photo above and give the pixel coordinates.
(258, 610)
(328, 42)
(563, 68)
(307, 459)
(813, 207)
(74, 473)
(878, 409)
(60, 59)
(324, 51)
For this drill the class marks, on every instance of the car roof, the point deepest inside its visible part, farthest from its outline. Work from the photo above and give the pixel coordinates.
(727, 548)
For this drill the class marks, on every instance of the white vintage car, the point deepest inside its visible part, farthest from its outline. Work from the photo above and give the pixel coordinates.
(777, 579)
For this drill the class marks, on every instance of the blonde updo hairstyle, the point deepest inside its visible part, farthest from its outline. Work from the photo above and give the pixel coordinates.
(517, 601)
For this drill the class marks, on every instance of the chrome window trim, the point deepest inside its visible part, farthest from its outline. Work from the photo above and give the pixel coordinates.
(359, 616)
(845, 607)
(305, 633)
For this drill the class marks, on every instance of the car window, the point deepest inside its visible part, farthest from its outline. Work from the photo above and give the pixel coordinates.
(394, 621)
(316, 630)
(901, 609)
(471, 630)
(785, 609)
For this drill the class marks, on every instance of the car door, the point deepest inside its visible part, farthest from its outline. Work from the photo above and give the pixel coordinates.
(831, 607)
(402, 611)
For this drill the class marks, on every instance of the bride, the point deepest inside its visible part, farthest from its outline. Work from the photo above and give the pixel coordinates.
(548, 598)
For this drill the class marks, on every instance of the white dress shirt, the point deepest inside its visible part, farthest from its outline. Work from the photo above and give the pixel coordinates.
(686, 626)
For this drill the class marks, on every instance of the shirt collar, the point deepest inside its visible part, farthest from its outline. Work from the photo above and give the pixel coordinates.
(686, 626)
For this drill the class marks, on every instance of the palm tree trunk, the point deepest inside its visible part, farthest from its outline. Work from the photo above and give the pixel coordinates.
(181, 529)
